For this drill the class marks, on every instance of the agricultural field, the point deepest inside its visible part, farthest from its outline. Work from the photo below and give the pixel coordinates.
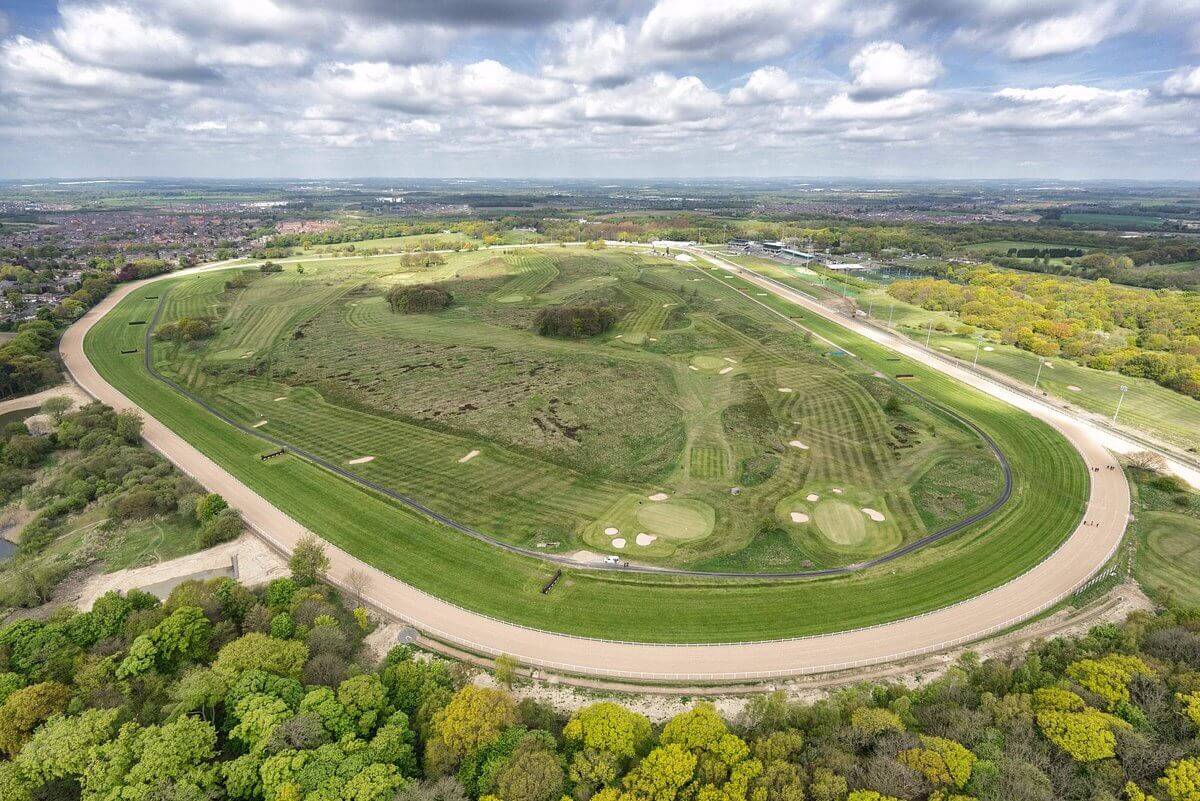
(631, 442)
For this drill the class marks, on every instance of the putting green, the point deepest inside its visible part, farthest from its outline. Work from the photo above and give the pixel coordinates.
(709, 362)
(841, 523)
(681, 521)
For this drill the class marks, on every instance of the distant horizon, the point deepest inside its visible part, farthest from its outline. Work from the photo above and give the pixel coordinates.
(116, 179)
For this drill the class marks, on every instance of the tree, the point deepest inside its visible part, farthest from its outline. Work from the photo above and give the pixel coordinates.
(1146, 460)
(144, 763)
(357, 583)
(533, 774)
(60, 747)
(941, 761)
(208, 506)
(608, 727)
(25, 709)
(309, 562)
(474, 718)
(1181, 780)
(1108, 677)
(257, 651)
(57, 406)
(506, 670)
(661, 775)
(183, 635)
(873, 720)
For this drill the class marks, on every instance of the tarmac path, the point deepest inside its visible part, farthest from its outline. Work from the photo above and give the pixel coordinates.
(1087, 550)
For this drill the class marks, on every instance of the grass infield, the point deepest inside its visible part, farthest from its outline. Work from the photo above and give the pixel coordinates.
(1050, 486)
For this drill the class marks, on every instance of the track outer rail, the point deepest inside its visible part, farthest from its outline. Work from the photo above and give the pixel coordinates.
(272, 540)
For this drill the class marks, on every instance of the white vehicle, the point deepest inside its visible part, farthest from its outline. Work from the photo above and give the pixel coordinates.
(612, 560)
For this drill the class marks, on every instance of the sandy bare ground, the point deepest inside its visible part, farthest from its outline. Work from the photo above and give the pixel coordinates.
(257, 564)
(68, 390)
(1073, 563)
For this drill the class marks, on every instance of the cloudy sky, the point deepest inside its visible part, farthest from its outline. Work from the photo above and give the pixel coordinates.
(600, 88)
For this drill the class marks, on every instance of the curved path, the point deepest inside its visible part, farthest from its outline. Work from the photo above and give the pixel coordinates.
(1083, 553)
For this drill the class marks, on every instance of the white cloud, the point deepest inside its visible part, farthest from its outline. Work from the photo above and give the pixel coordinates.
(845, 108)
(732, 30)
(765, 85)
(116, 37)
(1062, 34)
(595, 52)
(1067, 107)
(426, 88)
(656, 100)
(884, 69)
(1184, 83)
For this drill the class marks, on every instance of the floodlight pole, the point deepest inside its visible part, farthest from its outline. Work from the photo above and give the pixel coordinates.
(977, 347)
(891, 312)
(928, 333)
(1124, 389)
(1038, 377)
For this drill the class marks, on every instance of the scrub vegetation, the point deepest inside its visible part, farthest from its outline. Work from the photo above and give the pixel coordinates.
(231, 694)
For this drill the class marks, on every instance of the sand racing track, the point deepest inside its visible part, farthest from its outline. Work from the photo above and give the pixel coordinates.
(1087, 549)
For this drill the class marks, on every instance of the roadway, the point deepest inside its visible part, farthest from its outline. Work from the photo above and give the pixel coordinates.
(1085, 551)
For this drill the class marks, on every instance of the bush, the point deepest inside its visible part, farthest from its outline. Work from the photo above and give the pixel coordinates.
(225, 526)
(186, 329)
(582, 320)
(418, 298)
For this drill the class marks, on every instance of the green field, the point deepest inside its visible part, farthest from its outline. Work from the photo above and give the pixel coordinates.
(1167, 527)
(1148, 407)
(574, 437)
(1112, 220)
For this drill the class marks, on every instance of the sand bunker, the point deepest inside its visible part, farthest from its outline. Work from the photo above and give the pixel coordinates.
(874, 515)
(813, 497)
(731, 361)
(619, 542)
(1049, 366)
(837, 490)
(645, 539)
(1074, 388)
(798, 444)
(989, 348)
(785, 389)
(612, 531)
(259, 424)
(943, 347)
(361, 460)
(659, 496)
(725, 370)
(468, 457)
(693, 367)
(618, 336)
(279, 399)
(684, 257)
(799, 517)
